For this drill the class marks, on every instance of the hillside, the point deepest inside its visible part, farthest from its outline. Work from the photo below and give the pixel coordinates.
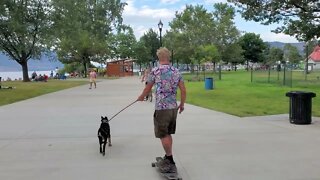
(44, 64)
(281, 45)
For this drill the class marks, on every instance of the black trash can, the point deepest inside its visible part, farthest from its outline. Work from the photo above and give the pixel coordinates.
(300, 107)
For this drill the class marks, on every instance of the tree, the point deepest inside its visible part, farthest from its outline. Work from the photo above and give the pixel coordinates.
(234, 54)
(151, 41)
(253, 47)
(24, 30)
(298, 18)
(141, 54)
(225, 32)
(291, 54)
(210, 53)
(85, 29)
(124, 42)
(275, 55)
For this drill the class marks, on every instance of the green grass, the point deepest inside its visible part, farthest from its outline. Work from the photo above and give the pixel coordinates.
(26, 90)
(236, 95)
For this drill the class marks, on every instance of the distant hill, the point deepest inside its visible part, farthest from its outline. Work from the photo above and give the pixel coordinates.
(281, 45)
(44, 64)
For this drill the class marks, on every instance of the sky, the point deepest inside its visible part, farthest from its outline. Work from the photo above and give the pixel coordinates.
(142, 15)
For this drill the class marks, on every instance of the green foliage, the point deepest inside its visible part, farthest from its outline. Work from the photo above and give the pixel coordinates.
(195, 27)
(84, 27)
(24, 29)
(291, 54)
(225, 32)
(124, 42)
(298, 18)
(253, 47)
(152, 43)
(141, 53)
(275, 55)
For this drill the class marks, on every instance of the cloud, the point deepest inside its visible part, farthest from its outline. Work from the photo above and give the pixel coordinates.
(214, 1)
(143, 18)
(169, 1)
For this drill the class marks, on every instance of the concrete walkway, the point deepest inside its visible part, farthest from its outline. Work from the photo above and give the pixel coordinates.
(53, 137)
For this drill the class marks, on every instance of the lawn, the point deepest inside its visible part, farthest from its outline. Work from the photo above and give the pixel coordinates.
(26, 90)
(236, 95)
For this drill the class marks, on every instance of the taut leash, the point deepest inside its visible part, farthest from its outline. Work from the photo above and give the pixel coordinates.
(122, 110)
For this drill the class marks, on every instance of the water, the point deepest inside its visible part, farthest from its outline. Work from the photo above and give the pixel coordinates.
(18, 74)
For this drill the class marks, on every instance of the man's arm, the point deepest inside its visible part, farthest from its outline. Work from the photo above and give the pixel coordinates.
(145, 91)
(183, 95)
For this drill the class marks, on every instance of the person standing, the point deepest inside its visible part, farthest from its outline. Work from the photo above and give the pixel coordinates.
(167, 79)
(93, 77)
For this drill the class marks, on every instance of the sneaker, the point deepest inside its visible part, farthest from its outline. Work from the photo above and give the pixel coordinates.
(165, 166)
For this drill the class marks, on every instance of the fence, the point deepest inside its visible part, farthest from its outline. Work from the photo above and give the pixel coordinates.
(287, 75)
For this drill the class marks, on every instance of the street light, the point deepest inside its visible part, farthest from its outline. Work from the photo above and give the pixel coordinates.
(160, 25)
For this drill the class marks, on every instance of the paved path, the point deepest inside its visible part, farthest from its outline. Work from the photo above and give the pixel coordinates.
(53, 137)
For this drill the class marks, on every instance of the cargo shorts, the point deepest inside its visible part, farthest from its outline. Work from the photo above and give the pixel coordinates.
(164, 122)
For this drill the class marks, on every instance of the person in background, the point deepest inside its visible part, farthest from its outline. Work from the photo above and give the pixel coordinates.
(93, 77)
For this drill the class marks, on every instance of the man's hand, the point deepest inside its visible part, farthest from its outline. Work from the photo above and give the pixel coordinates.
(140, 98)
(181, 108)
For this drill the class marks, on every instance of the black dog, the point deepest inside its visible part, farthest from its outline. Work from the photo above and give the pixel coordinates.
(104, 134)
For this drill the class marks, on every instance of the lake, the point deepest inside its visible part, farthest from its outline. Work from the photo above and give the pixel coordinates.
(18, 74)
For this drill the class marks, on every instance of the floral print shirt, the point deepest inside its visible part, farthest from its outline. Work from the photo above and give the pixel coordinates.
(166, 79)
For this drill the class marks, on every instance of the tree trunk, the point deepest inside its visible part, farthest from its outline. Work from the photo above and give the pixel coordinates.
(25, 74)
(85, 69)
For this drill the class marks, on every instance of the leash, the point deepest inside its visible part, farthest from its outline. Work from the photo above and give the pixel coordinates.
(122, 110)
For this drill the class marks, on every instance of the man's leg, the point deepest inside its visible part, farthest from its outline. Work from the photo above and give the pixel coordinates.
(167, 144)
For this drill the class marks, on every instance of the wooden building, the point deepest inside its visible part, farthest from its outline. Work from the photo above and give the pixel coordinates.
(120, 68)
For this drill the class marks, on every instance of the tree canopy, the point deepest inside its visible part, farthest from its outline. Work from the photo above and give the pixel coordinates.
(24, 29)
(296, 18)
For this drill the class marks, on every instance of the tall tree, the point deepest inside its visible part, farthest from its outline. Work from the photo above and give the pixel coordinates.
(24, 30)
(253, 47)
(210, 53)
(151, 41)
(124, 42)
(298, 18)
(233, 54)
(291, 54)
(85, 28)
(225, 32)
(141, 53)
(275, 55)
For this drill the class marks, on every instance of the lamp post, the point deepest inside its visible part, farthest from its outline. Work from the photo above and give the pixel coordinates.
(160, 25)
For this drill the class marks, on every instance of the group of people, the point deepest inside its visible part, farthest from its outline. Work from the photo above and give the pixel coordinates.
(35, 77)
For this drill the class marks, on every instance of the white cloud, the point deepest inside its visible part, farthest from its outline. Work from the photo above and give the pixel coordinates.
(169, 1)
(214, 1)
(143, 18)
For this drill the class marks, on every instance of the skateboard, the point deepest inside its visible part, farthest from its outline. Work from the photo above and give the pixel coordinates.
(170, 176)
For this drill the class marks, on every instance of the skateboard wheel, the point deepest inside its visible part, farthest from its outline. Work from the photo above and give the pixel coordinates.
(153, 164)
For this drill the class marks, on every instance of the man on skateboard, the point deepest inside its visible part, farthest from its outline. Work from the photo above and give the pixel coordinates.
(166, 79)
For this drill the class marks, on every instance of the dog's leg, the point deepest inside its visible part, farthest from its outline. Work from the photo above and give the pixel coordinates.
(109, 141)
(100, 143)
(104, 147)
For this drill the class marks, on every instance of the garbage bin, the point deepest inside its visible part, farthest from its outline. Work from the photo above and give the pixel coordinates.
(208, 83)
(300, 107)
